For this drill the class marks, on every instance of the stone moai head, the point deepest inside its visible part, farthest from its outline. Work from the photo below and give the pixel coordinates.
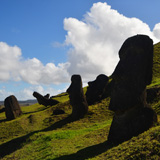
(77, 98)
(75, 89)
(133, 73)
(12, 107)
(96, 88)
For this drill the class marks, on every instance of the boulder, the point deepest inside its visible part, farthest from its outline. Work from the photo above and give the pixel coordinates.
(96, 89)
(128, 95)
(44, 100)
(77, 98)
(12, 108)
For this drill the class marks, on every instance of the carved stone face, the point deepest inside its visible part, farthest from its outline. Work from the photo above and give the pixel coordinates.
(133, 72)
(77, 99)
(76, 84)
(12, 107)
(96, 88)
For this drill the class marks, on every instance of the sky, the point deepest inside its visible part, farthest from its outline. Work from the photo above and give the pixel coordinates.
(44, 42)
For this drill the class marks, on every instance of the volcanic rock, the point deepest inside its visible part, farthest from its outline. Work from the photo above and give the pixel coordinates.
(44, 100)
(96, 89)
(77, 98)
(128, 96)
(12, 108)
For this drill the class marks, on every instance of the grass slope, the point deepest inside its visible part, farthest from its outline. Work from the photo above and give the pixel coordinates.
(38, 134)
(156, 65)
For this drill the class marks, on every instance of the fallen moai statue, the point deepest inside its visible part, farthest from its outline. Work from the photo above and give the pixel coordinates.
(44, 100)
(128, 95)
(77, 98)
(12, 107)
(96, 89)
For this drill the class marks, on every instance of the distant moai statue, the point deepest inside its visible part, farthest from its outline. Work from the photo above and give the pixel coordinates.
(128, 95)
(96, 89)
(77, 98)
(12, 107)
(47, 96)
(45, 100)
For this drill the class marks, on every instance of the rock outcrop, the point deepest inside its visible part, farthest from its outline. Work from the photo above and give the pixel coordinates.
(128, 96)
(12, 107)
(96, 89)
(77, 98)
(44, 100)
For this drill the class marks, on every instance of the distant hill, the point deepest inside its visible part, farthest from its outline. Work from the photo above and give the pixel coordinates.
(24, 103)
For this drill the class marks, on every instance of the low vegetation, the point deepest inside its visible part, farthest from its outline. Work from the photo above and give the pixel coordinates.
(39, 134)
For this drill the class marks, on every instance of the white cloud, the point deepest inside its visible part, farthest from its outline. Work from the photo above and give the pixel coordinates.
(4, 94)
(94, 43)
(97, 38)
(27, 93)
(14, 67)
(9, 61)
(156, 31)
(34, 72)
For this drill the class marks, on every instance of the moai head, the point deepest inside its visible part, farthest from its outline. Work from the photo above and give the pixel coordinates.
(12, 107)
(44, 100)
(96, 88)
(75, 89)
(133, 73)
(77, 98)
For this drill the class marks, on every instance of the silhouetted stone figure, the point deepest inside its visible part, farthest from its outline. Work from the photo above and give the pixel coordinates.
(44, 100)
(128, 96)
(12, 108)
(77, 98)
(96, 89)
(47, 96)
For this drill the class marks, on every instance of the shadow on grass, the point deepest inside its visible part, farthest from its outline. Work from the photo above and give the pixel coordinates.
(13, 145)
(59, 124)
(17, 143)
(88, 152)
(3, 120)
(41, 109)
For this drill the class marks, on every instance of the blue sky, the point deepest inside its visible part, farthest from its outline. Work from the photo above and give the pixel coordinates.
(44, 42)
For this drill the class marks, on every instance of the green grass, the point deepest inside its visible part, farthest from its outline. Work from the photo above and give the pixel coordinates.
(40, 135)
(156, 62)
(145, 146)
(63, 97)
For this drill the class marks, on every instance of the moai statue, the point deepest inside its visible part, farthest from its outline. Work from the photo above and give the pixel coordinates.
(44, 100)
(77, 98)
(12, 108)
(47, 96)
(96, 89)
(128, 95)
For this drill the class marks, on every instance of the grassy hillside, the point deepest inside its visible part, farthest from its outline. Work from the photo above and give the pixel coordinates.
(39, 134)
(156, 65)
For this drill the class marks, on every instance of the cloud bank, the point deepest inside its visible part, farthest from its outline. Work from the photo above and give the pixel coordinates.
(94, 43)
(14, 67)
(96, 39)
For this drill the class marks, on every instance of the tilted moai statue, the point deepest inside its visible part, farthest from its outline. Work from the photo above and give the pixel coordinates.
(77, 98)
(12, 107)
(96, 89)
(44, 100)
(128, 95)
